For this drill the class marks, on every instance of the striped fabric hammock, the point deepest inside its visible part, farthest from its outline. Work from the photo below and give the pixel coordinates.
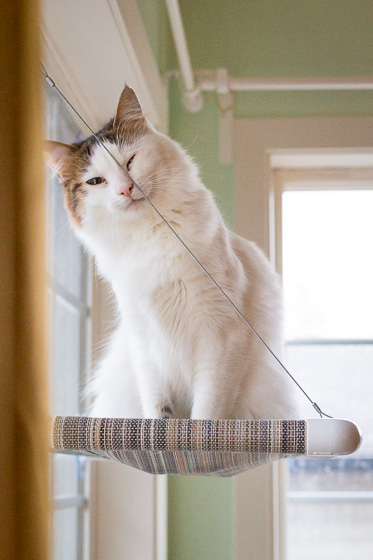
(202, 447)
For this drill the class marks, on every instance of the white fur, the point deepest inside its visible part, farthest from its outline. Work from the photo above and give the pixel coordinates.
(179, 343)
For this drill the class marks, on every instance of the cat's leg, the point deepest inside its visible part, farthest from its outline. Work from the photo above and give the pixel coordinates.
(165, 411)
(213, 390)
(113, 403)
(123, 389)
(155, 399)
(114, 390)
(208, 402)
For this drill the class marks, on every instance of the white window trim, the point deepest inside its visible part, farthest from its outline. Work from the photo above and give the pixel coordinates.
(105, 47)
(79, 498)
(257, 142)
(353, 169)
(92, 78)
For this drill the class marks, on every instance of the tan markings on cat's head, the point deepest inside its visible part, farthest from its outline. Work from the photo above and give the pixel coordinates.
(71, 162)
(66, 162)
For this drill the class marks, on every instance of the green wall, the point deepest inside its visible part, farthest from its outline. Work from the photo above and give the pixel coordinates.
(280, 37)
(258, 38)
(284, 38)
(201, 518)
(155, 19)
(199, 135)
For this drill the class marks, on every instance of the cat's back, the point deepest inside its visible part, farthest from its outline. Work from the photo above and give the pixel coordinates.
(263, 298)
(253, 259)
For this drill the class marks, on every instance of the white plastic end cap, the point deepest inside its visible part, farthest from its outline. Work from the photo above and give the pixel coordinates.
(328, 437)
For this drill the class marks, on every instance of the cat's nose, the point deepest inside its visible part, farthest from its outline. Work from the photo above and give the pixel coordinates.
(126, 190)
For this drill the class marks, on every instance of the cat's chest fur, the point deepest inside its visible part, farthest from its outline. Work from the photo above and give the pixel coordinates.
(154, 280)
(138, 261)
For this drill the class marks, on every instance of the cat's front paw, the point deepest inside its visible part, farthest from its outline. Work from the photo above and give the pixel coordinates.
(164, 411)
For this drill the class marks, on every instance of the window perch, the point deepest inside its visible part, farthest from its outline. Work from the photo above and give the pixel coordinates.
(202, 447)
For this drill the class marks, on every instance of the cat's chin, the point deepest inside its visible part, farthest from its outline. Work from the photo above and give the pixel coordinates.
(129, 208)
(135, 204)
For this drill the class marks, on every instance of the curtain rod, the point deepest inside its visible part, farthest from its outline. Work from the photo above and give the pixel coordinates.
(211, 80)
(206, 80)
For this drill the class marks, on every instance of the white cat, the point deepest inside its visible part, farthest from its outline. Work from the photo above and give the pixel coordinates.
(180, 350)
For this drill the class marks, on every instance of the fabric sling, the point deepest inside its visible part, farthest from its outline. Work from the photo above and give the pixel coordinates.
(203, 447)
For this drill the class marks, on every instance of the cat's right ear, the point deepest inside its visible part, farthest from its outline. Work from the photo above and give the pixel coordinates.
(128, 108)
(57, 156)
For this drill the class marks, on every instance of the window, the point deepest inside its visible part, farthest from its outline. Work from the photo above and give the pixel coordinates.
(70, 297)
(128, 510)
(327, 266)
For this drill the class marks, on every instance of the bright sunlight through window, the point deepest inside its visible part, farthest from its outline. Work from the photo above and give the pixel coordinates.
(327, 249)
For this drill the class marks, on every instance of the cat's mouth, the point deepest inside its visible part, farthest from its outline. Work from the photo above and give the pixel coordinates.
(125, 204)
(138, 198)
(136, 201)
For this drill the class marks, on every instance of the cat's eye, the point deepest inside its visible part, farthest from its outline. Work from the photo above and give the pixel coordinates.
(95, 181)
(130, 161)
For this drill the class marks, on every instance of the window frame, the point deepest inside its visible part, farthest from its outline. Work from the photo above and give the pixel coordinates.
(127, 48)
(257, 142)
(82, 304)
(338, 178)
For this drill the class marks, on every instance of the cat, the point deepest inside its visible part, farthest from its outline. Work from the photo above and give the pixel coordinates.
(179, 349)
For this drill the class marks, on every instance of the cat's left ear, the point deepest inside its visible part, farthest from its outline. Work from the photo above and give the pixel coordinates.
(128, 107)
(58, 158)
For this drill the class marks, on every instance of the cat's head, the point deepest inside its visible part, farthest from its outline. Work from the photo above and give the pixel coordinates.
(94, 185)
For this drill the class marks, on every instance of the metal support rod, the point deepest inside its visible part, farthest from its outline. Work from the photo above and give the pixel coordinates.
(192, 97)
(206, 80)
(180, 44)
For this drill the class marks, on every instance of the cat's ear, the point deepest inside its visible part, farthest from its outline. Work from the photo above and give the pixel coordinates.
(128, 107)
(57, 156)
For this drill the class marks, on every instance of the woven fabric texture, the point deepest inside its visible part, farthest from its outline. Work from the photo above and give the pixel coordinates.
(203, 447)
